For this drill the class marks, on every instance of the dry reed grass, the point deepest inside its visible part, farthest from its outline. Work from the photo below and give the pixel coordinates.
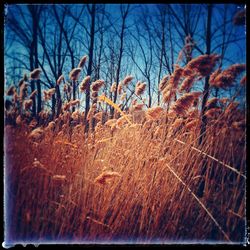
(137, 179)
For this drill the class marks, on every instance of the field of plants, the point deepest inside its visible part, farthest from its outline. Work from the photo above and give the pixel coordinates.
(175, 172)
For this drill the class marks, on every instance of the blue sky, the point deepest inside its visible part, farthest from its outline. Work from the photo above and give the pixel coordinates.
(235, 53)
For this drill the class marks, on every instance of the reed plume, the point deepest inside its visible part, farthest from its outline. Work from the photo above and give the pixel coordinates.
(182, 104)
(138, 106)
(82, 62)
(37, 134)
(213, 113)
(11, 90)
(95, 86)
(27, 104)
(123, 97)
(154, 113)
(140, 88)
(227, 77)
(74, 102)
(23, 91)
(84, 83)
(203, 65)
(94, 94)
(59, 80)
(113, 88)
(35, 74)
(127, 80)
(163, 82)
(240, 18)
(119, 89)
(187, 83)
(212, 103)
(243, 80)
(74, 74)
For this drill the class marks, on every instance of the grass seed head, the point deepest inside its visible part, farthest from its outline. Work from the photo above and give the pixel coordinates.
(127, 80)
(82, 61)
(59, 80)
(140, 88)
(154, 113)
(74, 74)
(95, 86)
(35, 74)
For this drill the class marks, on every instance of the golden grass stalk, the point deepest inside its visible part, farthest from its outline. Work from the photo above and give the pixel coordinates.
(59, 177)
(110, 122)
(66, 143)
(91, 112)
(199, 202)
(105, 140)
(105, 177)
(213, 158)
(33, 94)
(103, 98)
(123, 97)
(98, 222)
(122, 120)
(98, 116)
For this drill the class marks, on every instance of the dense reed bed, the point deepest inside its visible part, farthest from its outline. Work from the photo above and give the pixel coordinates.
(142, 176)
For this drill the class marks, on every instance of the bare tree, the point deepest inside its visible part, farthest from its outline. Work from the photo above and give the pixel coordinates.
(124, 10)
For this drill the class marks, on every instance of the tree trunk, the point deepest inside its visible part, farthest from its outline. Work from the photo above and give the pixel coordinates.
(119, 64)
(89, 70)
(206, 87)
(149, 93)
(74, 93)
(58, 100)
(201, 187)
(35, 19)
